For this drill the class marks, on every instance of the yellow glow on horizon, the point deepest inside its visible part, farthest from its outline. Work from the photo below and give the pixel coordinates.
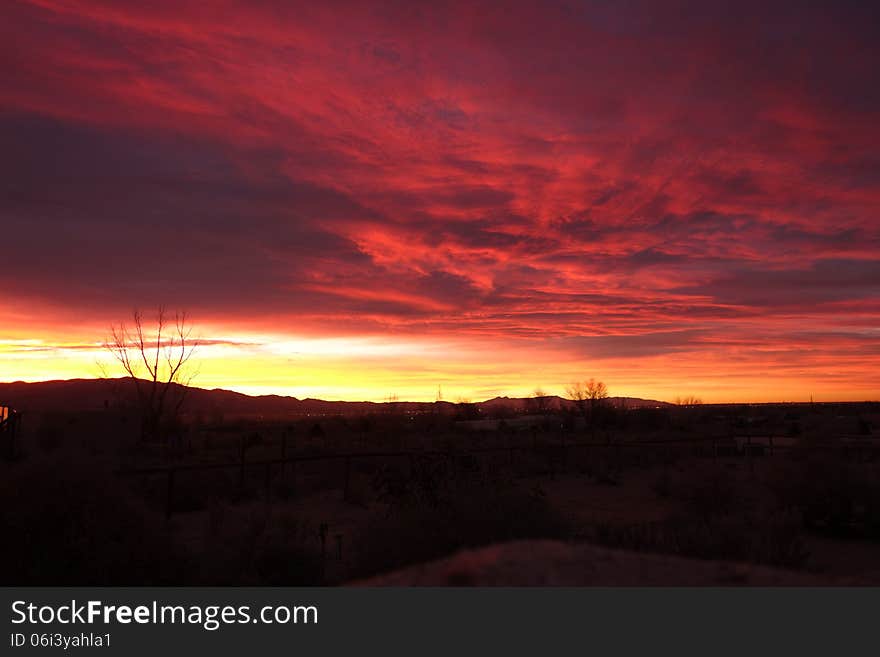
(371, 368)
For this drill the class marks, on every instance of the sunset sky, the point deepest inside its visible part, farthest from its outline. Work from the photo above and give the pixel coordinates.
(375, 198)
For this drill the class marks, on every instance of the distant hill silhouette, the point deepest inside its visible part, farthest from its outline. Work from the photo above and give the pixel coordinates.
(95, 394)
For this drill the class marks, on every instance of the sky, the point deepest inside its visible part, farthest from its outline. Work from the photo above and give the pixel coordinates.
(358, 200)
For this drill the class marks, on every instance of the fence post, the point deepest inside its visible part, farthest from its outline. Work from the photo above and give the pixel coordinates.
(322, 532)
(241, 466)
(749, 453)
(12, 422)
(169, 495)
(283, 451)
(268, 480)
(293, 479)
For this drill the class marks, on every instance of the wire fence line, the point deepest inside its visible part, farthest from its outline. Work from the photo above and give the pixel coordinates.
(748, 447)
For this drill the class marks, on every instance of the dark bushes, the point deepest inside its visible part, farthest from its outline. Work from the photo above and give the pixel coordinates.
(66, 525)
(773, 539)
(82, 525)
(719, 518)
(261, 548)
(836, 498)
(436, 509)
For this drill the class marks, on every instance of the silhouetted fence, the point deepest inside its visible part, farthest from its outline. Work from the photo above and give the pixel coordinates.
(557, 456)
(10, 421)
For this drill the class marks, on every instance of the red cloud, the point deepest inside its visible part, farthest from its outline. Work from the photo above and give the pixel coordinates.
(487, 171)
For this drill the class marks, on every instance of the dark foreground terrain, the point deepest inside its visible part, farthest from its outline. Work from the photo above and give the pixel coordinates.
(628, 492)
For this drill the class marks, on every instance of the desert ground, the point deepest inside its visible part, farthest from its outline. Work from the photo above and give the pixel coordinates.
(479, 494)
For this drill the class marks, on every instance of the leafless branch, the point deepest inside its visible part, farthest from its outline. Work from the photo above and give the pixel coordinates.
(164, 354)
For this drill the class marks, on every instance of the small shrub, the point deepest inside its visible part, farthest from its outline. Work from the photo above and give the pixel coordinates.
(662, 486)
(260, 549)
(284, 557)
(835, 498)
(709, 493)
(718, 519)
(359, 491)
(79, 525)
(49, 437)
(469, 516)
(774, 540)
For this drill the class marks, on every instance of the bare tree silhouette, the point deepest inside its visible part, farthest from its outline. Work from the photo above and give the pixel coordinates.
(590, 392)
(157, 361)
(688, 400)
(540, 401)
